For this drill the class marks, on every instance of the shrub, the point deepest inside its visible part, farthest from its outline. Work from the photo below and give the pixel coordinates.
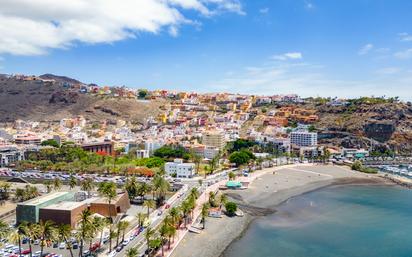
(231, 208)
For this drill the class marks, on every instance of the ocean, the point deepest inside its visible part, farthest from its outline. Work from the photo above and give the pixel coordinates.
(353, 221)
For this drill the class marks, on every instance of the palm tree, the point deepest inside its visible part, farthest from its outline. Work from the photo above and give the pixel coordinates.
(231, 175)
(99, 224)
(194, 193)
(171, 232)
(108, 191)
(175, 215)
(185, 207)
(197, 159)
(161, 186)
(85, 228)
(121, 229)
(72, 181)
(140, 218)
(49, 186)
(64, 233)
(4, 229)
(163, 231)
(143, 189)
(124, 225)
(15, 238)
(212, 199)
(150, 204)
(29, 230)
(132, 252)
(5, 187)
(47, 232)
(204, 213)
(112, 235)
(57, 184)
(87, 185)
(148, 236)
(223, 200)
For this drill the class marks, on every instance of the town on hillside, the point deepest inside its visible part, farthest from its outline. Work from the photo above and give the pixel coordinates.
(118, 186)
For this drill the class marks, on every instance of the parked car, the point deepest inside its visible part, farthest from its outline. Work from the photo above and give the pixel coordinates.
(125, 242)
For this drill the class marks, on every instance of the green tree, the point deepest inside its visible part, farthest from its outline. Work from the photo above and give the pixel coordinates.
(149, 204)
(86, 229)
(46, 232)
(141, 217)
(50, 142)
(148, 236)
(87, 185)
(132, 252)
(231, 208)
(4, 190)
(64, 234)
(72, 181)
(57, 184)
(231, 175)
(223, 199)
(49, 186)
(142, 93)
(241, 157)
(204, 213)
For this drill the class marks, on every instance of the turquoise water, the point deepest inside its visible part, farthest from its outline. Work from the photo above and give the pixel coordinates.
(362, 221)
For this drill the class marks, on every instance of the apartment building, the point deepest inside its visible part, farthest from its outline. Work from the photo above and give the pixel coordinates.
(303, 138)
(182, 170)
(215, 139)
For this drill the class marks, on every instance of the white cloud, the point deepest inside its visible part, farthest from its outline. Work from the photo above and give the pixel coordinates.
(365, 49)
(32, 27)
(264, 10)
(309, 5)
(388, 71)
(405, 37)
(288, 56)
(406, 54)
(311, 80)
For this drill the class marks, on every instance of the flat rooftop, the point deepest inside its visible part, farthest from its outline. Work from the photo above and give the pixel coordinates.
(104, 200)
(43, 199)
(64, 206)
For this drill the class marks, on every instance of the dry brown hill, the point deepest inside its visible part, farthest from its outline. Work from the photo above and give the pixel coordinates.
(36, 100)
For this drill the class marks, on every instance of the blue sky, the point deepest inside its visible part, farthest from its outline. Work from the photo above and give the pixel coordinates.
(313, 48)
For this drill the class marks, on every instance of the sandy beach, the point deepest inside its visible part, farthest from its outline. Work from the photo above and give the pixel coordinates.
(261, 198)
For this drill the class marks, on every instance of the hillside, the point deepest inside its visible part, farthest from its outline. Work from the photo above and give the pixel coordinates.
(41, 101)
(379, 124)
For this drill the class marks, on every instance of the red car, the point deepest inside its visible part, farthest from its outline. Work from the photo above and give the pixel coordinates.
(27, 251)
(94, 247)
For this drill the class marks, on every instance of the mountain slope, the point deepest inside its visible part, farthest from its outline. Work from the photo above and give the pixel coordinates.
(36, 100)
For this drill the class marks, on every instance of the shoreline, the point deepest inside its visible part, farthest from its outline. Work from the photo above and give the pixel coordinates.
(263, 196)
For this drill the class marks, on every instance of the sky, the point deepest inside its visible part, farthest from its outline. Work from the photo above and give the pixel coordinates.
(342, 48)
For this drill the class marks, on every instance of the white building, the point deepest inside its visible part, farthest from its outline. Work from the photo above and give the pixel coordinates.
(210, 152)
(182, 170)
(142, 154)
(354, 153)
(10, 155)
(303, 138)
(152, 146)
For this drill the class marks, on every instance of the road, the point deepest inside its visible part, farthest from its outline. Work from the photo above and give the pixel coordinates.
(140, 241)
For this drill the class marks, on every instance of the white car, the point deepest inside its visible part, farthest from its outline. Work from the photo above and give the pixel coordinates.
(125, 242)
(112, 254)
(62, 245)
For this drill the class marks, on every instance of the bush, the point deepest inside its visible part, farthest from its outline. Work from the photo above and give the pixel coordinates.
(231, 208)
(241, 157)
(358, 166)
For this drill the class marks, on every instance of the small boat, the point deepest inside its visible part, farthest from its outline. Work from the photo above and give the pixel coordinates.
(194, 230)
(239, 213)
